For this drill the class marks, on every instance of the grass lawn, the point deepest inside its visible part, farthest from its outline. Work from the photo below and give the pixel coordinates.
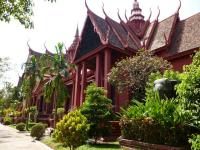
(57, 146)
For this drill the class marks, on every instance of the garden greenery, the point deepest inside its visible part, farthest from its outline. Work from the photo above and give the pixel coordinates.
(171, 121)
(97, 108)
(133, 73)
(72, 130)
(37, 131)
(195, 142)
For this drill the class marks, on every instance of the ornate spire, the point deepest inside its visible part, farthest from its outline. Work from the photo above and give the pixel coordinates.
(71, 50)
(77, 32)
(136, 12)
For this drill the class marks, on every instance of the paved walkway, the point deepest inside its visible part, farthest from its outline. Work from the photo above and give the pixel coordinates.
(11, 139)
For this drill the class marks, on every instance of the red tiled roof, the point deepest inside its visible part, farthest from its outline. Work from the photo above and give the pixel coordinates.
(187, 35)
(162, 33)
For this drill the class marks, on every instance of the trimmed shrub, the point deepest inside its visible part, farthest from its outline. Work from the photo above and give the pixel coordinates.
(31, 124)
(20, 126)
(7, 120)
(72, 130)
(97, 108)
(37, 131)
(44, 124)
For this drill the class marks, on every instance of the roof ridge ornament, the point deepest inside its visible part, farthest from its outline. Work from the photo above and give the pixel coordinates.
(86, 5)
(45, 46)
(179, 7)
(119, 15)
(150, 14)
(126, 16)
(158, 13)
(104, 10)
(28, 43)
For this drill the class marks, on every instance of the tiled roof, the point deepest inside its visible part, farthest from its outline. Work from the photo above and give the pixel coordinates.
(170, 33)
(162, 33)
(103, 30)
(148, 35)
(187, 35)
(36, 54)
(122, 34)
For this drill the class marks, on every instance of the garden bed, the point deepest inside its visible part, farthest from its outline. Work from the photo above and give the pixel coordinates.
(132, 144)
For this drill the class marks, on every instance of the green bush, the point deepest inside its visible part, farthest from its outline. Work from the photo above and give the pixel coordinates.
(157, 121)
(37, 131)
(20, 126)
(97, 108)
(189, 88)
(60, 112)
(133, 73)
(44, 124)
(31, 124)
(195, 142)
(7, 120)
(72, 130)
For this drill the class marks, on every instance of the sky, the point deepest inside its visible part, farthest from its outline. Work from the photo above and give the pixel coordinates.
(57, 22)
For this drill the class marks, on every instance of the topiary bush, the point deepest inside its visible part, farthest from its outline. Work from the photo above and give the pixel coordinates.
(38, 131)
(31, 124)
(7, 120)
(97, 108)
(72, 130)
(20, 126)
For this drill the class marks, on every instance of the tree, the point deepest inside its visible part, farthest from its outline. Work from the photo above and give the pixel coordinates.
(132, 73)
(31, 75)
(72, 130)
(20, 10)
(58, 68)
(97, 108)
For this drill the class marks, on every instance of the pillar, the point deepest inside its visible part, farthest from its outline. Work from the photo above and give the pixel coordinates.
(107, 67)
(77, 88)
(73, 94)
(98, 70)
(83, 82)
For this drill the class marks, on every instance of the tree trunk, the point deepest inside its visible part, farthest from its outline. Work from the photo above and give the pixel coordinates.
(55, 107)
(28, 117)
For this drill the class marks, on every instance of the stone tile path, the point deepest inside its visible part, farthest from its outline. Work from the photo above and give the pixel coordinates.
(11, 139)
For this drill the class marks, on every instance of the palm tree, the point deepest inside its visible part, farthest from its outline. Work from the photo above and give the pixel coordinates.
(30, 77)
(58, 68)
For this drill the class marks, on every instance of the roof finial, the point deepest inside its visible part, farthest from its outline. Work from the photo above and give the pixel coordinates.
(77, 32)
(45, 46)
(179, 7)
(150, 14)
(104, 10)
(126, 16)
(119, 15)
(158, 13)
(28, 44)
(86, 5)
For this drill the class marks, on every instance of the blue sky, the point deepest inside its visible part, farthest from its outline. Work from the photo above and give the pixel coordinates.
(57, 22)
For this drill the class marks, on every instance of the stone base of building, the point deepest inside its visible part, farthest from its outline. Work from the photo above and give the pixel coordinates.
(135, 145)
